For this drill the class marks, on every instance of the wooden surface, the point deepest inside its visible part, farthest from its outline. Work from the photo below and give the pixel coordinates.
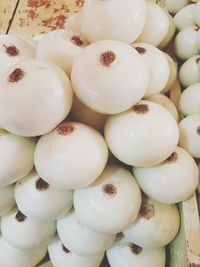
(29, 17)
(26, 18)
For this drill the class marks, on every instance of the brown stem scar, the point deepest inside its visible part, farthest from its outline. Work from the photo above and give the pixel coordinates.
(147, 210)
(77, 40)
(107, 58)
(16, 75)
(66, 250)
(172, 158)
(41, 185)
(20, 217)
(109, 190)
(64, 129)
(141, 50)
(12, 50)
(141, 108)
(136, 249)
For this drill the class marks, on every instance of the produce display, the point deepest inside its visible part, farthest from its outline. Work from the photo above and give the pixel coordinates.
(95, 156)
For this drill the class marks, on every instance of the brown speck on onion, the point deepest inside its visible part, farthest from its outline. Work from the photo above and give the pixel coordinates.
(141, 50)
(11, 50)
(172, 158)
(65, 129)
(41, 185)
(77, 40)
(107, 58)
(16, 75)
(147, 210)
(196, 28)
(136, 249)
(20, 217)
(197, 60)
(141, 108)
(109, 190)
(66, 250)
(198, 130)
(3, 132)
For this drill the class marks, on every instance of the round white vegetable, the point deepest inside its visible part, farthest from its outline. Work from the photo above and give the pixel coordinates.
(167, 103)
(26, 233)
(113, 65)
(16, 157)
(185, 17)
(157, 22)
(60, 256)
(174, 6)
(32, 91)
(38, 200)
(71, 156)
(190, 99)
(79, 239)
(170, 34)
(124, 254)
(173, 72)
(10, 256)
(7, 199)
(73, 22)
(13, 50)
(61, 47)
(164, 182)
(84, 114)
(121, 20)
(156, 225)
(190, 71)
(186, 42)
(190, 134)
(158, 67)
(146, 125)
(114, 197)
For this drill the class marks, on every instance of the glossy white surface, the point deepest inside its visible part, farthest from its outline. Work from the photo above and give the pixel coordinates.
(157, 231)
(109, 212)
(79, 239)
(158, 66)
(186, 43)
(173, 72)
(190, 99)
(41, 203)
(60, 258)
(185, 17)
(190, 134)
(165, 181)
(22, 51)
(121, 255)
(142, 139)
(10, 256)
(27, 233)
(121, 20)
(32, 101)
(16, 158)
(190, 71)
(114, 88)
(175, 6)
(7, 199)
(73, 160)
(59, 48)
(157, 23)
